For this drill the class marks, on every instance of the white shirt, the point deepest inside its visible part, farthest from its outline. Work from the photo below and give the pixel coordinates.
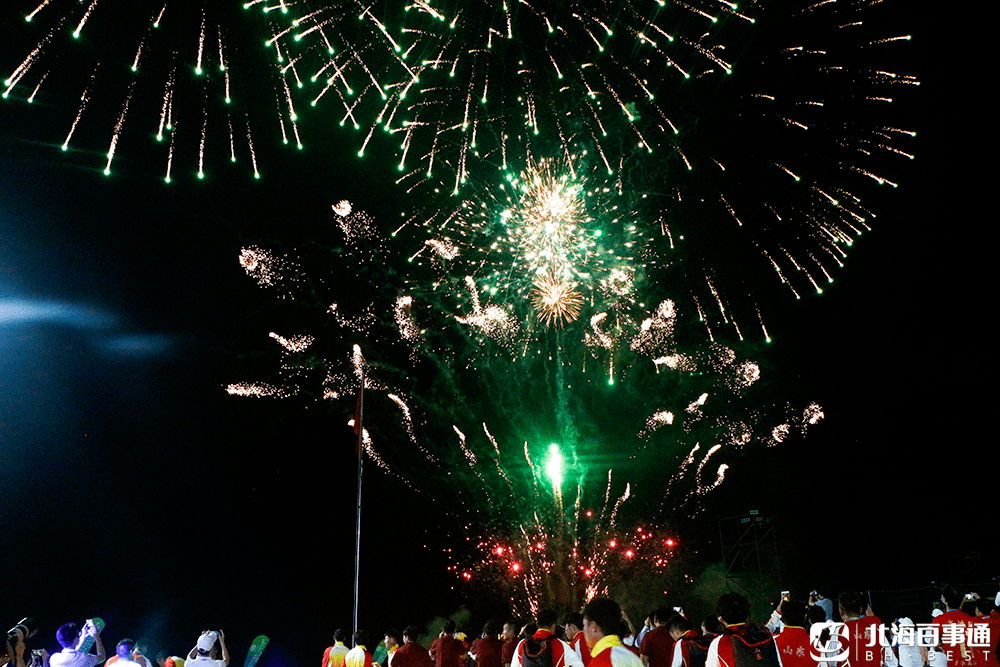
(201, 661)
(774, 623)
(623, 657)
(69, 657)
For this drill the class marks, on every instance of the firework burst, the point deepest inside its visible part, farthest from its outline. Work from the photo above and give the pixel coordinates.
(521, 440)
(565, 556)
(748, 139)
(555, 302)
(546, 245)
(754, 134)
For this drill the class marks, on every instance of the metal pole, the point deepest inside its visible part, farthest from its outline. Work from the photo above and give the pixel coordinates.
(357, 525)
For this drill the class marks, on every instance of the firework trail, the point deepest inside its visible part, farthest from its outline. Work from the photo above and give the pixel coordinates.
(190, 75)
(742, 142)
(567, 557)
(523, 442)
(729, 151)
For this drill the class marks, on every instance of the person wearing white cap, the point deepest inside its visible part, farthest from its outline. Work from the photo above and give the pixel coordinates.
(909, 652)
(205, 653)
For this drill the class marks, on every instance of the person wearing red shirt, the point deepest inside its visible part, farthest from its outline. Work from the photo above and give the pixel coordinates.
(985, 620)
(573, 626)
(411, 653)
(793, 641)
(446, 650)
(658, 646)
(359, 656)
(510, 642)
(953, 625)
(334, 655)
(601, 618)
(486, 649)
(690, 648)
(544, 636)
(858, 640)
(740, 636)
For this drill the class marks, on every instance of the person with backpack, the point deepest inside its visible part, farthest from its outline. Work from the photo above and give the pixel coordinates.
(690, 648)
(543, 649)
(742, 644)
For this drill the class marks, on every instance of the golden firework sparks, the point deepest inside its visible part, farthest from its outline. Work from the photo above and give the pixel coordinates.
(555, 302)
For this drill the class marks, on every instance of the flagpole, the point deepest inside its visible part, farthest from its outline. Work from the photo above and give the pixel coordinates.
(360, 428)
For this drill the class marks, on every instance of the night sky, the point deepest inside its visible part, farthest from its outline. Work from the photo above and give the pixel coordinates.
(137, 490)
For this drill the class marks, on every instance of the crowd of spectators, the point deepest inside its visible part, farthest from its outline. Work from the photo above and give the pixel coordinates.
(82, 647)
(962, 630)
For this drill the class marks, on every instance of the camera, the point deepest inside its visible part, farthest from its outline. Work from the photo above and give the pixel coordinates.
(25, 628)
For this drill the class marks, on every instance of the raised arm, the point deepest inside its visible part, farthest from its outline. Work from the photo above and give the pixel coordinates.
(225, 651)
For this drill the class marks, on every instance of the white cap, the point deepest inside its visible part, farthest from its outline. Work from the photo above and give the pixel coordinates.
(207, 640)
